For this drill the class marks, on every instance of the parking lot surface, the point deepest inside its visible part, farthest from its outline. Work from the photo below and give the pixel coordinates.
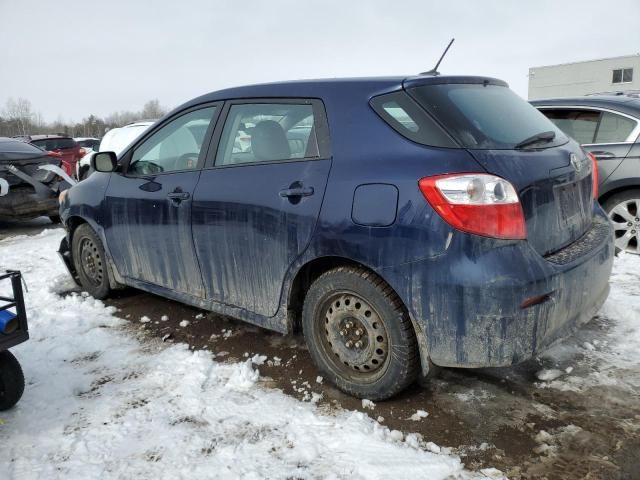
(573, 413)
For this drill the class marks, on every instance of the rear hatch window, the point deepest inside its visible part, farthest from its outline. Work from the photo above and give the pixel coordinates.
(487, 116)
(18, 150)
(56, 143)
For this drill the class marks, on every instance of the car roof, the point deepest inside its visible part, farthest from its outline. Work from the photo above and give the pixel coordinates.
(622, 103)
(139, 123)
(6, 140)
(328, 87)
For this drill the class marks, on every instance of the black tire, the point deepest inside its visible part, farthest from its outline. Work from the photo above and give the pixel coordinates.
(54, 219)
(351, 305)
(11, 380)
(85, 171)
(90, 262)
(627, 211)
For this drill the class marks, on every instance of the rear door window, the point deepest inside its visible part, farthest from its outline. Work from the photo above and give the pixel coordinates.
(267, 132)
(581, 125)
(485, 115)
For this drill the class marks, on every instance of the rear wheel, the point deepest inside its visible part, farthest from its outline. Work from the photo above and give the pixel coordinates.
(11, 380)
(90, 262)
(624, 212)
(359, 335)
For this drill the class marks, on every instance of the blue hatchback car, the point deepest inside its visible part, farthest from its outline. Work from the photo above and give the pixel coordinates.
(399, 222)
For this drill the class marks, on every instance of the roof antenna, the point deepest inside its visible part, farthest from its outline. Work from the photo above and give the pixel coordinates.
(434, 70)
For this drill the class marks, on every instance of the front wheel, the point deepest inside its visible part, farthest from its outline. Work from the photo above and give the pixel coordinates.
(624, 212)
(90, 262)
(359, 335)
(11, 380)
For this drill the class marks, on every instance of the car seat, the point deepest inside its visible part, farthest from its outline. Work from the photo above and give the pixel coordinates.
(269, 142)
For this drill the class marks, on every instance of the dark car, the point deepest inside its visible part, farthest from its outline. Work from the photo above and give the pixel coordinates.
(88, 143)
(70, 150)
(26, 190)
(398, 221)
(608, 126)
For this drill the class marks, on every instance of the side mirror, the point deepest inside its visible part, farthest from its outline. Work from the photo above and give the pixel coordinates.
(104, 162)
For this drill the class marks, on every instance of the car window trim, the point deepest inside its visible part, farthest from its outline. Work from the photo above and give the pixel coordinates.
(631, 139)
(320, 123)
(204, 150)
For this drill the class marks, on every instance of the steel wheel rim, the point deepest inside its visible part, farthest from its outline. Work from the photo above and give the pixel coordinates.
(625, 217)
(353, 336)
(91, 261)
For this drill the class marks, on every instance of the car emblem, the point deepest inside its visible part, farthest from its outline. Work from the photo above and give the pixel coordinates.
(577, 164)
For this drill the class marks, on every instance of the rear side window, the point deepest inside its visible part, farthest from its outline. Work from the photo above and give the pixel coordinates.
(407, 118)
(485, 116)
(581, 125)
(267, 132)
(614, 128)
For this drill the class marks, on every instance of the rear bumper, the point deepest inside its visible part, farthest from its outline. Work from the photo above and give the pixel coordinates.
(468, 301)
(24, 202)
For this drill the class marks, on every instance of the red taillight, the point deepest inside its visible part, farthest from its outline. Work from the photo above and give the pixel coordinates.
(476, 203)
(594, 174)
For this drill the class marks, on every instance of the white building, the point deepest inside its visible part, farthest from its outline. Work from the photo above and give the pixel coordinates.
(606, 75)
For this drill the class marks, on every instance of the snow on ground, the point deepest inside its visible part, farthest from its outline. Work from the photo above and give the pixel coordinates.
(99, 404)
(610, 353)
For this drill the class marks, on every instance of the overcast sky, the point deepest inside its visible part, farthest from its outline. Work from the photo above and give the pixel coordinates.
(72, 58)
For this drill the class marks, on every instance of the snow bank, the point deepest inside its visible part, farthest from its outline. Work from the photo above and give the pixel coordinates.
(98, 404)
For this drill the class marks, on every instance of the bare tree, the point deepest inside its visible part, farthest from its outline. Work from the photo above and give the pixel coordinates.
(152, 109)
(18, 118)
(19, 112)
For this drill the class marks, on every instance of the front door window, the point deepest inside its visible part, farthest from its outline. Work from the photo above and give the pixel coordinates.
(175, 147)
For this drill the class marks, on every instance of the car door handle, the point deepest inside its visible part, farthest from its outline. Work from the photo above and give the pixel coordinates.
(178, 196)
(600, 155)
(296, 192)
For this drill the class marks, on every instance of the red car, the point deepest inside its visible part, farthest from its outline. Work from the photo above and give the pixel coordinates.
(70, 150)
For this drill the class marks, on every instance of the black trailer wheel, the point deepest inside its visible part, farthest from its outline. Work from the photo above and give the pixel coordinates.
(90, 262)
(359, 335)
(11, 380)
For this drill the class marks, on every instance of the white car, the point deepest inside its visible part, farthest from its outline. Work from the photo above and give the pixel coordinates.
(115, 140)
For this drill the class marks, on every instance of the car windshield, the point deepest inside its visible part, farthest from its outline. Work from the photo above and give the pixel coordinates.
(486, 116)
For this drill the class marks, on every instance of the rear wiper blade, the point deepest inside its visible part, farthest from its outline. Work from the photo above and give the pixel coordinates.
(542, 137)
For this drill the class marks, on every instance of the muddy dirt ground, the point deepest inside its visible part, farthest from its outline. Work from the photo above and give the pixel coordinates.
(11, 228)
(492, 417)
(503, 418)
